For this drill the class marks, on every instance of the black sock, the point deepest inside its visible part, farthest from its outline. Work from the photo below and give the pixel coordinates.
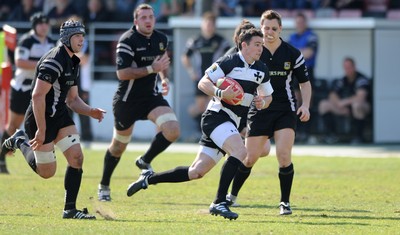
(241, 175)
(110, 162)
(72, 183)
(359, 128)
(177, 175)
(329, 123)
(3, 154)
(158, 145)
(29, 155)
(228, 171)
(286, 179)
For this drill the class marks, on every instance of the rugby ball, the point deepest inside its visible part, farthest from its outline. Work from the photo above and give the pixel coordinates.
(223, 83)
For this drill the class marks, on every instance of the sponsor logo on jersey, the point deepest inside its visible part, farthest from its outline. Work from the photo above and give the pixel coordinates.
(286, 66)
(69, 83)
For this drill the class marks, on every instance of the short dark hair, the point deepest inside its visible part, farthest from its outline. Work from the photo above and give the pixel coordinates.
(270, 15)
(141, 7)
(244, 25)
(247, 35)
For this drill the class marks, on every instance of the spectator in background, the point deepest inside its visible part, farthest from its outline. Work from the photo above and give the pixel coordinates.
(6, 7)
(30, 48)
(62, 11)
(96, 11)
(204, 49)
(306, 41)
(349, 97)
(123, 9)
(226, 7)
(23, 11)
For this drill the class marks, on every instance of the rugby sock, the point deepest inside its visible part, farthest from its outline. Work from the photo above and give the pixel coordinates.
(159, 144)
(28, 155)
(286, 179)
(72, 183)
(3, 153)
(241, 175)
(179, 174)
(228, 171)
(110, 162)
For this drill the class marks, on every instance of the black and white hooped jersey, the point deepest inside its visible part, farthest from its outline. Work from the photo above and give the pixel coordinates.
(205, 51)
(29, 47)
(137, 50)
(286, 63)
(62, 71)
(252, 77)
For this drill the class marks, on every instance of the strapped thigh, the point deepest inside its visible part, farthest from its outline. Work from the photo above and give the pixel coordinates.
(44, 157)
(213, 153)
(125, 139)
(166, 117)
(66, 142)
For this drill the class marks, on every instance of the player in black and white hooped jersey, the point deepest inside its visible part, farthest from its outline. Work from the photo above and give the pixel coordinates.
(31, 46)
(221, 120)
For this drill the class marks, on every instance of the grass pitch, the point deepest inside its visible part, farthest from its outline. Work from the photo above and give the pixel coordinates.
(329, 196)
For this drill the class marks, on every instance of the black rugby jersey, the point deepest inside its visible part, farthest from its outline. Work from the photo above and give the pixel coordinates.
(62, 71)
(137, 50)
(253, 78)
(29, 47)
(286, 63)
(206, 51)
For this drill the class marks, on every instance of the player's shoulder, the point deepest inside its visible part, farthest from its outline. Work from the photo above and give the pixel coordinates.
(290, 50)
(26, 39)
(56, 55)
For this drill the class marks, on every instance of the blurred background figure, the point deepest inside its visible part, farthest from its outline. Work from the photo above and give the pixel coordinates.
(306, 41)
(23, 11)
(350, 97)
(200, 53)
(31, 47)
(96, 11)
(62, 10)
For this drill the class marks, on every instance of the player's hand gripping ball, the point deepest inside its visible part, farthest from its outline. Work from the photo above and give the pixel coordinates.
(223, 83)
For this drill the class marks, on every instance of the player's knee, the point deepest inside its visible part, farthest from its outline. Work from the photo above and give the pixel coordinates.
(76, 160)
(46, 170)
(265, 151)
(117, 148)
(240, 152)
(171, 131)
(46, 174)
(196, 173)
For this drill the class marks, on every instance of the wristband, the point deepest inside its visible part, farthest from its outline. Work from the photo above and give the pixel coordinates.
(218, 93)
(149, 69)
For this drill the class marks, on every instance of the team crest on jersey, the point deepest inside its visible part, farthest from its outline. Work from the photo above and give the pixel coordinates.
(162, 47)
(286, 66)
